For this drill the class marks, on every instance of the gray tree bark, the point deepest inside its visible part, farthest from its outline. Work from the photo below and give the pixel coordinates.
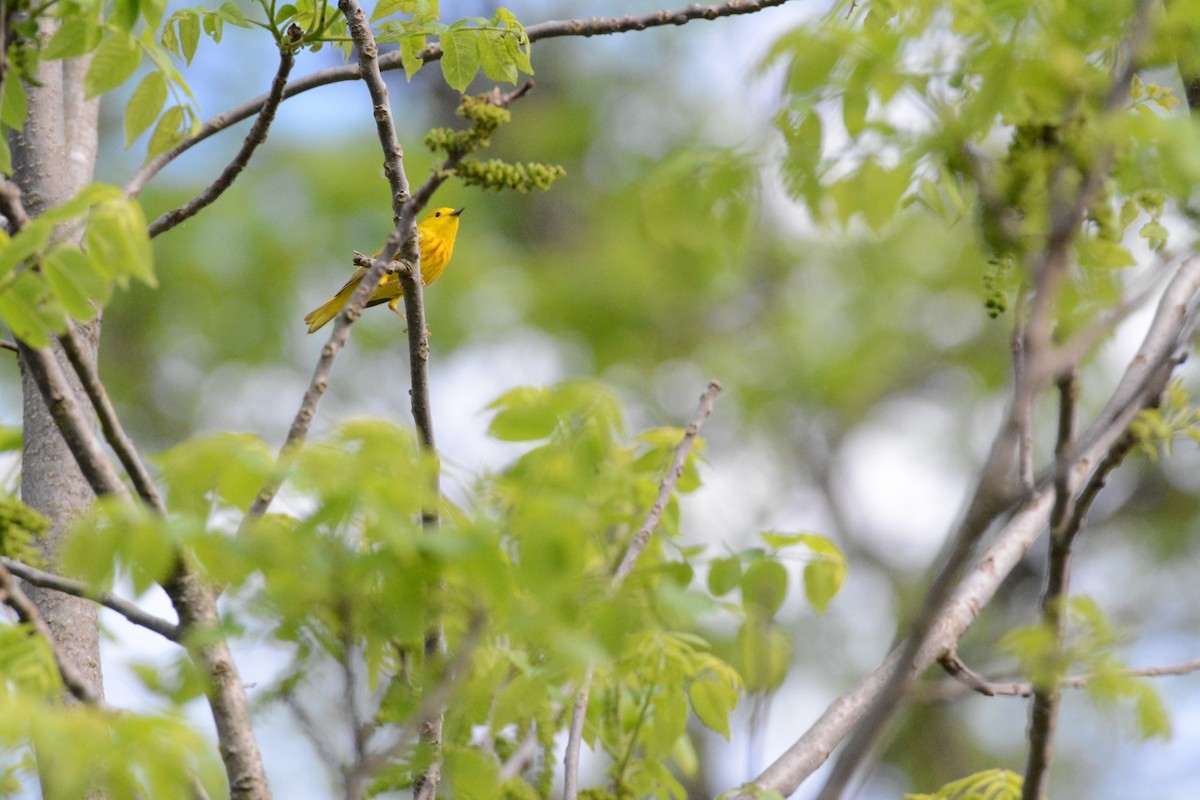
(53, 158)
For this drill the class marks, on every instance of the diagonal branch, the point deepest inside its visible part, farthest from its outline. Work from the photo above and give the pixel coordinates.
(389, 61)
(1139, 387)
(633, 552)
(12, 596)
(1064, 524)
(130, 611)
(72, 424)
(110, 424)
(256, 136)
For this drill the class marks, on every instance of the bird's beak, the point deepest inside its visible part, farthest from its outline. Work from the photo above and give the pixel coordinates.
(458, 211)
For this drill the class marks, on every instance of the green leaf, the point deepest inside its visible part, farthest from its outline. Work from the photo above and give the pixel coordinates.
(77, 35)
(74, 281)
(28, 241)
(169, 38)
(13, 103)
(5, 152)
(233, 15)
(711, 701)
(114, 61)
(764, 587)
(167, 132)
(411, 47)
(724, 575)
(526, 413)
(124, 14)
(145, 103)
(824, 574)
(1153, 720)
(19, 307)
(152, 11)
(189, 33)
(385, 8)
(231, 467)
(764, 655)
(118, 244)
(854, 111)
(494, 56)
(214, 26)
(823, 578)
(1101, 253)
(460, 57)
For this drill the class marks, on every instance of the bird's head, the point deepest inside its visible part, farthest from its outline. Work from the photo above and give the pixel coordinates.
(443, 221)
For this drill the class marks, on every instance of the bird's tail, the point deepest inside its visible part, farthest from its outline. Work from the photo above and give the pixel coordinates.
(321, 315)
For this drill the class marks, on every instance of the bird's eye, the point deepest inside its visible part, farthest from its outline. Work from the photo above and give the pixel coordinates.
(437, 213)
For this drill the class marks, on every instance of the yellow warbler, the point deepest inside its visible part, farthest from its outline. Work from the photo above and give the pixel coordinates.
(436, 235)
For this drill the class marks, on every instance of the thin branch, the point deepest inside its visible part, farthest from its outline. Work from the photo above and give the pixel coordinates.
(256, 136)
(967, 680)
(1043, 714)
(12, 206)
(431, 705)
(312, 732)
(12, 596)
(110, 423)
(575, 735)
(128, 610)
(5, 344)
(667, 487)
(520, 759)
(390, 61)
(634, 551)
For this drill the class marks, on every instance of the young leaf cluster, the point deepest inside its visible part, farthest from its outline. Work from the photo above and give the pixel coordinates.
(497, 45)
(1157, 428)
(520, 577)
(44, 280)
(20, 529)
(762, 645)
(1015, 116)
(1090, 647)
(992, 784)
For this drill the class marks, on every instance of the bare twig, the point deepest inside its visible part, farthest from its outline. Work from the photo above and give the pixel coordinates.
(521, 757)
(634, 551)
(312, 732)
(575, 735)
(256, 136)
(130, 611)
(430, 707)
(12, 206)
(967, 680)
(5, 344)
(12, 596)
(389, 61)
(1043, 714)
(667, 487)
(110, 423)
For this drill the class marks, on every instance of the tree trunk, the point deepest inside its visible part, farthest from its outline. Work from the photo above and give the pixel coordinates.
(53, 158)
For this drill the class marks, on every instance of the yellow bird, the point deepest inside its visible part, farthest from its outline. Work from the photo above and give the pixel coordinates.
(436, 235)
